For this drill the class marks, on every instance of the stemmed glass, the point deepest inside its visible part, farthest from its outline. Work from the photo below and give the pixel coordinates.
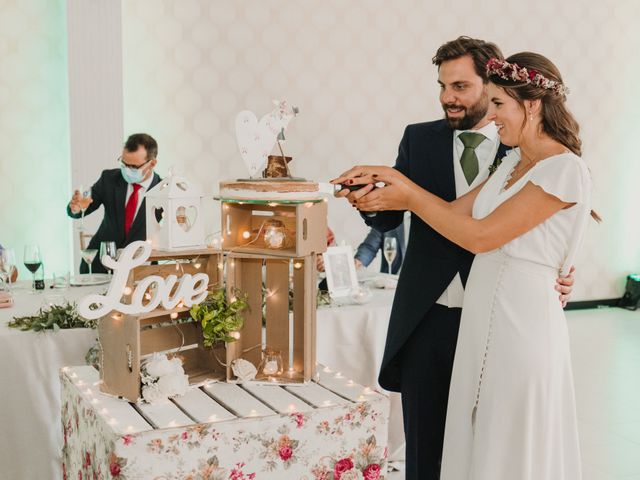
(85, 193)
(7, 263)
(390, 249)
(88, 254)
(108, 249)
(32, 259)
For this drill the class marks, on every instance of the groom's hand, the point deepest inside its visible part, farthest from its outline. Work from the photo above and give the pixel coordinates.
(564, 285)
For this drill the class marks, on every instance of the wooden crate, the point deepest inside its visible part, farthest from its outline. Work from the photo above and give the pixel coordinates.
(126, 339)
(244, 225)
(276, 432)
(294, 336)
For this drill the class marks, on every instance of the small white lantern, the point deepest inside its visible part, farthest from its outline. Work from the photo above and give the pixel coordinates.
(174, 215)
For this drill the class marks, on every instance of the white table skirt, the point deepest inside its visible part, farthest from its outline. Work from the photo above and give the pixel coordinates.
(353, 337)
(30, 444)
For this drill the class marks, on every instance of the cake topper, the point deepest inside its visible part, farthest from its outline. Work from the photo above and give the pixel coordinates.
(257, 139)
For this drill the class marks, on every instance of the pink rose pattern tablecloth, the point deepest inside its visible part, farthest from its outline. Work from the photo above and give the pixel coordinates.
(331, 443)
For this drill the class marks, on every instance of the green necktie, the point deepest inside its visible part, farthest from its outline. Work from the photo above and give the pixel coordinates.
(469, 160)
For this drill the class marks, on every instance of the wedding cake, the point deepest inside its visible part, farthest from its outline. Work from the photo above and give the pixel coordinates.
(272, 189)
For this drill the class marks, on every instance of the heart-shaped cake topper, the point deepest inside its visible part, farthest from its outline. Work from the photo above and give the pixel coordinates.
(257, 139)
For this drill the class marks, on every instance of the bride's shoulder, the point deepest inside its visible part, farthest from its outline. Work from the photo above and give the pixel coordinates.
(565, 161)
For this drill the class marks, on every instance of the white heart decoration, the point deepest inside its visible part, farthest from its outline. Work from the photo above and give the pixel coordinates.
(257, 139)
(186, 217)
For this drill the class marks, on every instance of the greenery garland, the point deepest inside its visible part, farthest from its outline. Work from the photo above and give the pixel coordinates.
(55, 318)
(219, 317)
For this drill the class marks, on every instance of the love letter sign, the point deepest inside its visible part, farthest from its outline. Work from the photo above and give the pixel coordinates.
(191, 289)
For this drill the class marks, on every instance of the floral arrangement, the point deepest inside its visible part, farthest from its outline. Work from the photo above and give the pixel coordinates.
(163, 378)
(220, 317)
(367, 462)
(516, 73)
(54, 318)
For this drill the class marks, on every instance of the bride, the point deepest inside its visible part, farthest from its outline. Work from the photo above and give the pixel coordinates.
(511, 412)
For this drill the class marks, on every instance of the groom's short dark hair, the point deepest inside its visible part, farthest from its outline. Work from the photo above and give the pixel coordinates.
(479, 51)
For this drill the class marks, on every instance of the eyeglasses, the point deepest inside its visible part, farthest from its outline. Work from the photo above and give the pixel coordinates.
(121, 161)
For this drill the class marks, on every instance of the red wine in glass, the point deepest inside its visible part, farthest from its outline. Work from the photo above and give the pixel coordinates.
(32, 266)
(32, 259)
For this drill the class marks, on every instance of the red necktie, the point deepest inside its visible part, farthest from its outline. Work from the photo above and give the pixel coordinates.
(130, 208)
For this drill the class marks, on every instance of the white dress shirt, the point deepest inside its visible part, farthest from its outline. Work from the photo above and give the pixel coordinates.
(145, 184)
(486, 153)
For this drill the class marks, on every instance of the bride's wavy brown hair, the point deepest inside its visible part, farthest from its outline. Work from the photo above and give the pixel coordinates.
(557, 121)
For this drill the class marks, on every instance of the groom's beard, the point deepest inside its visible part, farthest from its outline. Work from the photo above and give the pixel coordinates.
(472, 115)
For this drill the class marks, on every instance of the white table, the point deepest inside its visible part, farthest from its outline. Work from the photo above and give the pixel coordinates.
(353, 338)
(30, 444)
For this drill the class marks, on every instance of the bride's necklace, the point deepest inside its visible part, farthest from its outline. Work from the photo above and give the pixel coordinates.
(518, 171)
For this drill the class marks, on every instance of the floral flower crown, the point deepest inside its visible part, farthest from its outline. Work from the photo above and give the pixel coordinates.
(516, 73)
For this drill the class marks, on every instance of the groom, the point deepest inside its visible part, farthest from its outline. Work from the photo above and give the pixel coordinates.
(448, 158)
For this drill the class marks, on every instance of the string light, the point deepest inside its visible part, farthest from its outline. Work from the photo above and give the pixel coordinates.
(297, 265)
(197, 265)
(246, 234)
(174, 315)
(127, 290)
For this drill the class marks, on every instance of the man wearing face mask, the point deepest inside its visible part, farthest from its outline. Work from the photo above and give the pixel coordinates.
(121, 191)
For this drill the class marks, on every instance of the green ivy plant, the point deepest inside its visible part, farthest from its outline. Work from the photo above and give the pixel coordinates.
(219, 317)
(55, 318)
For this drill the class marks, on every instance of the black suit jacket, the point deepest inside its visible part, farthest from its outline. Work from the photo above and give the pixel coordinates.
(111, 190)
(431, 261)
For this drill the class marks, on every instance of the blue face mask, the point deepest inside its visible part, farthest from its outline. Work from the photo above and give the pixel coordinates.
(131, 175)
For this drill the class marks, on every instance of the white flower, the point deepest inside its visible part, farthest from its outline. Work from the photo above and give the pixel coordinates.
(244, 370)
(353, 474)
(177, 366)
(173, 384)
(159, 365)
(152, 394)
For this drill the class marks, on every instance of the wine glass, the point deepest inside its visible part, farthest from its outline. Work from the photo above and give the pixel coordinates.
(108, 249)
(390, 249)
(32, 259)
(88, 254)
(85, 193)
(7, 264)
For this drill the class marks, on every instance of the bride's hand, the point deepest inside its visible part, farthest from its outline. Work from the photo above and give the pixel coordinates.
(362, 175)
(398, 193)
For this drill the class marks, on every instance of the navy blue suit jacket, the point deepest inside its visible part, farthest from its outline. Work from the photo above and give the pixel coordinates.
(431, 261)
(111, 190)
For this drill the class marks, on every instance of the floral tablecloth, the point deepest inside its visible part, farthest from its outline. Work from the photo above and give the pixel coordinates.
(344, 442)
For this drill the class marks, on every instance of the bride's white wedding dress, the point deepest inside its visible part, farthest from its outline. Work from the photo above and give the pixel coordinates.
(511, 413)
